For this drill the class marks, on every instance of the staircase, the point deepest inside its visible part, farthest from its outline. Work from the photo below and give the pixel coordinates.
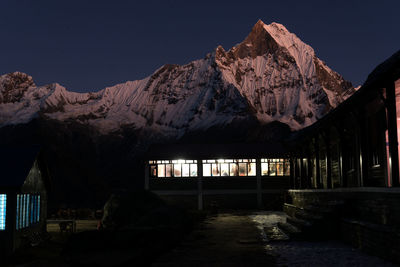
(313, 222)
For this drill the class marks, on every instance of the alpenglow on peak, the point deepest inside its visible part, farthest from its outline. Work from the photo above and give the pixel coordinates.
(270, 76)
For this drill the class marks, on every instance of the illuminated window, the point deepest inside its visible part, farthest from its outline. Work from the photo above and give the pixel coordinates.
(153, 171)
(3, 210)
(206, 169)
(286, 168)
(275, 167)
(34, 209)
(272, 168)
(215, 170)
(161, 170)
(27, 210)
(185, 170)
(242, 169)
(264, 168)
(38, 209)
(173, 168)
(193, 170)
(177, 170)
(224, 169)
(251, 169)
(168, 170)
(233, 169)
(229, 167)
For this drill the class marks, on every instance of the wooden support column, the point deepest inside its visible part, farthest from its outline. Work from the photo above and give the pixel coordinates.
(328, 161)
(292, 173)
(301, 172)
(309, 171)
(199, 184)
(318, 171)
(259, 187)
(363, 157)
(392, 132)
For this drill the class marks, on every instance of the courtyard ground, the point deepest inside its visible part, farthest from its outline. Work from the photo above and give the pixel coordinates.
(242, 239)
(226, 239)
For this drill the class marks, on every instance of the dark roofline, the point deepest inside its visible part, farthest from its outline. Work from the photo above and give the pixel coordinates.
(387, 71)
(215, 151)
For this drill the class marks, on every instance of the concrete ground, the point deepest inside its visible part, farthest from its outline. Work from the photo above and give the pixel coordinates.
(229, 239)
(251, 239)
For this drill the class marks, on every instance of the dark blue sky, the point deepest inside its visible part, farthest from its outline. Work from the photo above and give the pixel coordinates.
(88, 45)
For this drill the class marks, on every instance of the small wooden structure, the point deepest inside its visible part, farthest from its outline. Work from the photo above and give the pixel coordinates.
(24, 186)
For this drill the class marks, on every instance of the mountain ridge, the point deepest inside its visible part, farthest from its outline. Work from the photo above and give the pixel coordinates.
(271, 76)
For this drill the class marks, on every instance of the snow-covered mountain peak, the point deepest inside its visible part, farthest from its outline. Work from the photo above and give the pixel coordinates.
(270, 76)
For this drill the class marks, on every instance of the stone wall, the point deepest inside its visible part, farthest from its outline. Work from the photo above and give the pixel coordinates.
(370, 217)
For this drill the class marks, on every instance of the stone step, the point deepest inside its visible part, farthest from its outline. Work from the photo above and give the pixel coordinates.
(299, 223)
(308, 216)
(319, 211)
(291, 209)
(290, 230)
(330, 205)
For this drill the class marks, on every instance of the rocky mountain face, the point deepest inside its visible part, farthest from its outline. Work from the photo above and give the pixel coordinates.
(271, 76)
(269, 84)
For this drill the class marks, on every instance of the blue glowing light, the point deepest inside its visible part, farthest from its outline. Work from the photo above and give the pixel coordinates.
(3, 209)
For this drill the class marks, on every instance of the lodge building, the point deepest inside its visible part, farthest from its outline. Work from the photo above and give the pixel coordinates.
(230, 175)
(354, 146)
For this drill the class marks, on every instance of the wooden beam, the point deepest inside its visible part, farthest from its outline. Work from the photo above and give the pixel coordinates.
(392, 132)
(328, 161)
(317, 163)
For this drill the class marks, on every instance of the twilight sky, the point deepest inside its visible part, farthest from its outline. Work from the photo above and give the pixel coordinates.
(88, 45)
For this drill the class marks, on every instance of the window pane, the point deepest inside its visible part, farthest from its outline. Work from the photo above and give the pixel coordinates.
(193, 170)
(185, 170)
(38, 214)
(287, 168)
(17, 213)
(161, 170)
(215, 170)
(264, 168)
(207, 169)
(224, 169)
(23, 210)
(27, 210)
(168, 170)
(31, 209)
(177, 170)
(251, 168)
(153, 171)
(272, 169)
(3, 210)
(234, 169)
(279, 169)
(242, 169)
